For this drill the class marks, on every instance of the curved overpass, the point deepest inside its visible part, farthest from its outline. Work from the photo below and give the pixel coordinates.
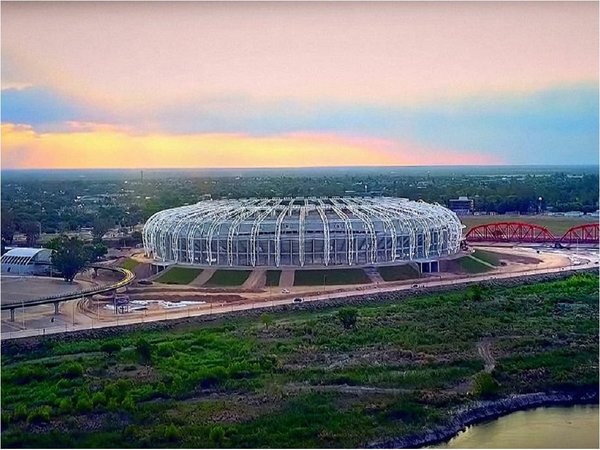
(128, 277)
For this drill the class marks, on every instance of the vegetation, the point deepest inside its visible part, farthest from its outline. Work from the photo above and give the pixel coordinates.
(316, 277)
(234, 382)
(470, 265)
(273, 277)
(71, 254)
(348, 317)
(228, 278)
(487, 256)
(179, 275)
(129, 263)
(396, 273)
(59, 203)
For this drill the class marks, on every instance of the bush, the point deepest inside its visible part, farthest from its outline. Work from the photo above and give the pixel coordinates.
(485, 385)
(65, 406)
(128, 403)
(73, 370)
(84, 404)
(20, 412)
(172, 433)
(111, 348)
(98, 399)
(348, 317)
(38, 415)
(27, 374)
(217, 435)
(267, 320)
(144, 350)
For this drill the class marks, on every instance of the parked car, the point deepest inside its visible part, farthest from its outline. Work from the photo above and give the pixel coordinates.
(145, 282)
(297, 300)
(285, 291)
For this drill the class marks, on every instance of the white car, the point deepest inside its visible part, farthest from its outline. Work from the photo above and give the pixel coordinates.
(285, 291)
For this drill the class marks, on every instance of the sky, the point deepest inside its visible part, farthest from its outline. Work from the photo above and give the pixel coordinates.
(203, 85)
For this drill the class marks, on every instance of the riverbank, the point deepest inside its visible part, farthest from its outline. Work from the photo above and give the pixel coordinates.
(307, 377)
(483, 411)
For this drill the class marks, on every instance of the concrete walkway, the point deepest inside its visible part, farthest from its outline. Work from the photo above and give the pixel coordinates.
(286, 279)
(202, 278)
(256, 280)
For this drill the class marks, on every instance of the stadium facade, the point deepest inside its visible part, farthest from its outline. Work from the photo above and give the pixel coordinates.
(301, 232)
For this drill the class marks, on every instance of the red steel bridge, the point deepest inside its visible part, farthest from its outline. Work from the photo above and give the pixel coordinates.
(521, 232)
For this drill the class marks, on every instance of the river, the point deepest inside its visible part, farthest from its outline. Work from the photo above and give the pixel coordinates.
(552, 427)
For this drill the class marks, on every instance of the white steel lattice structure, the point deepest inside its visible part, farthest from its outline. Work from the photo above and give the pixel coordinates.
(301, 232)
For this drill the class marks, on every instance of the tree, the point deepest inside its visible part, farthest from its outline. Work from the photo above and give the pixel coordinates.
(95, 251)
(101, 226)
(348, 317)
(69, 256)
(267, 320)
(8, 225)
(485, 385)
(31, 229)
(144, 349)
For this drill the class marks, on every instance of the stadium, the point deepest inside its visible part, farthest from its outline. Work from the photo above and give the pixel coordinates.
(302, 232)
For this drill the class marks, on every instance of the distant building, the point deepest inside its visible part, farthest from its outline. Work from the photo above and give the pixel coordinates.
(462, 206)
(26, 261)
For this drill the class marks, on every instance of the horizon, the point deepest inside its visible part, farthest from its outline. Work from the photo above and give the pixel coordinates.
(105, 85)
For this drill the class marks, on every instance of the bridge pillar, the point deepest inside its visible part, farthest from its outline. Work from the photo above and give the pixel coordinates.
(12, 314)
(56, 308)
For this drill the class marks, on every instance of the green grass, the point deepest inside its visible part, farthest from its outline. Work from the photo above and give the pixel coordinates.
(228, 278)
(243, 382)
(330, 277)
(470, 265)
(273, 277)
(488, 257)
(396, 273)
(179, 275)
(129, 264)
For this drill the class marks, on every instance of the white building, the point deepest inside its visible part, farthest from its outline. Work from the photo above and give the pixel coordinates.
(26, 261)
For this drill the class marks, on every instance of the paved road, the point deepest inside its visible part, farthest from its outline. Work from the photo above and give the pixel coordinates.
(590, 262)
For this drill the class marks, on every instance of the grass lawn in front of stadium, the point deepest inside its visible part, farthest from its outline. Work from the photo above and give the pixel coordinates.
(129, 264)
(273, 277)
(471, 265)
(488, 257)
(330, 277)
(228, 278)
(179, 275)
(396, 273)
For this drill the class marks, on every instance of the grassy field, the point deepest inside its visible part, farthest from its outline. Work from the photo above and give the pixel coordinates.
(179, 275)
(488, 257)
(557, 225)
(330, 277)
(129, 264)
(395, 273)
(273, 277)
(228, 278)
(298, 378)
(470, 265)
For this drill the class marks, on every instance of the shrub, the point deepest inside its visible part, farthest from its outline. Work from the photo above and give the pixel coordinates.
(72, 370)
(348, 317)
(65, 406)
(144, 350)
(166, 350)
(41, 414)
(172, 433)
(20, 412)
(217, 435)
(84, 404)
(27, 374)
(128, 403)
(267, 320)
(98, 399)
(485, 385)
(111, 348)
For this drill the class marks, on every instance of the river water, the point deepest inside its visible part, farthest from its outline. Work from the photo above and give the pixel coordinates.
(552, 427)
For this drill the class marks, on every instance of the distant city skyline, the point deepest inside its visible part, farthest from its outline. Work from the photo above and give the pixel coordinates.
(217, 85)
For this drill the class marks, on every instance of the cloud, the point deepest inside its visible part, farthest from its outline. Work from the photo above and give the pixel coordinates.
(101, 147)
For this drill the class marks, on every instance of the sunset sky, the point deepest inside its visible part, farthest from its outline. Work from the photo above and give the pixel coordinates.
(153, 85)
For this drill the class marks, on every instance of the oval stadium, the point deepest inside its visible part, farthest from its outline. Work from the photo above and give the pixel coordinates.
(301, 232)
